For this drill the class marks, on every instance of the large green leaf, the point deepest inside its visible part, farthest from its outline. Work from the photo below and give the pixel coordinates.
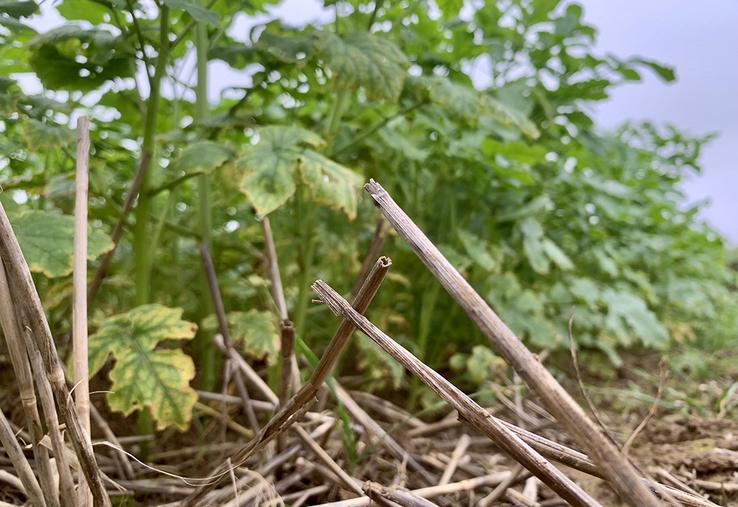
(202, 156)
(364, 60)
(71, 57)
(273, 165)
(143, 376)
(47, 241)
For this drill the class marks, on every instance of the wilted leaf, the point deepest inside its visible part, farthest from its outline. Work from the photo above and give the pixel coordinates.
(202, 156)
(142, 376)
(47, 241)
(364, 60)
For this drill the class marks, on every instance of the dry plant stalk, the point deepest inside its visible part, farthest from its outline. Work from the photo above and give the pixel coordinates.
(432, 491)
(616, 468)
(217, 299)
(289, 413)
(287, 360)
(400, 496)
(24, 378)
(20, 463)
(79, 282)
(467, 408)
(33, 321)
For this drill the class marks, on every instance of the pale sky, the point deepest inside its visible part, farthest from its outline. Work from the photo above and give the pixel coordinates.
(699, 39)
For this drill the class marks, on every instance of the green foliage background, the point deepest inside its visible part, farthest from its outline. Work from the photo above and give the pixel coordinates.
(542, 211)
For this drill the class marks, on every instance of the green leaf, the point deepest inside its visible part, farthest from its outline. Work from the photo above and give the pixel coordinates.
(143, 376)
(47, 241)
(663, 71)
(625, 307)
(477, 250)
(533, 245)
(557, 255)
(254, 330)
(459, 100)
(509, 117)
(74, 58)
(363, 60)
(202, 156)
(272, 166)
(44, 136)
(194, 9)
(86, 10)
(585, 290)
(18, 8)
(482, 363)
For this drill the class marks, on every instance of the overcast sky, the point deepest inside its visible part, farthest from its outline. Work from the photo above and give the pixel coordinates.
(700, 39)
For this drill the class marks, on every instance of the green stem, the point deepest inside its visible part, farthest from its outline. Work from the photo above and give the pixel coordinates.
(141, 238)
(308, 241)
(337, 110)
(306, 222)
(205, 351)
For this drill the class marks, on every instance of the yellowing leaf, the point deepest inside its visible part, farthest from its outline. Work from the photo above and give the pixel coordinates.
(47, 241)
(142, 376)
(271, 168)
(332, 184)
(363, 60)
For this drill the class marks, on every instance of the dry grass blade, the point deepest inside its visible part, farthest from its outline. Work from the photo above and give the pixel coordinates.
(467, 408)
(615, 466)
(461, 446)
